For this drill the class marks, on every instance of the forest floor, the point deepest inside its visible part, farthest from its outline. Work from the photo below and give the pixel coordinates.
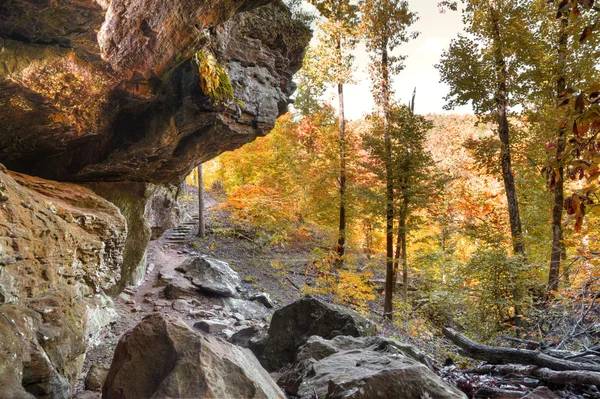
(277, 270)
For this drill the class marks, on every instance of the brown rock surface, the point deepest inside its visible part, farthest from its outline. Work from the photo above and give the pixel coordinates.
(363, 368)
(107, 90)
(149, 210)
(60, 247)
(292, 325)
(163, 357)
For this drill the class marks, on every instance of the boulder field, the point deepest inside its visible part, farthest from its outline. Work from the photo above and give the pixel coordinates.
(163, 357)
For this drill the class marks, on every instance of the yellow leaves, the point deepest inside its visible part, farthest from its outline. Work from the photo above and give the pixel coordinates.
(213, 77)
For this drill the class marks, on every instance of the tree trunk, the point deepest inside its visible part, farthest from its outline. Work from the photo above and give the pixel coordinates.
(557, 254)
(389, 206)
(201, 220)
(499, 355)
(401, 248)
(341, 245)
(503, 133)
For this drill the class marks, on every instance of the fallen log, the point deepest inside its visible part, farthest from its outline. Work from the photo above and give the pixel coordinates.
(575, 377)
(499, 355)
(497, 393)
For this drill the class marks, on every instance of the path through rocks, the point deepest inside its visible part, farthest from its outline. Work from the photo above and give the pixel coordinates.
(222, 316)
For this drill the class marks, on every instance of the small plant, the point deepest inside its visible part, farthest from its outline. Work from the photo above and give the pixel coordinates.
(196, 245)
(213, 77)
(250, 280)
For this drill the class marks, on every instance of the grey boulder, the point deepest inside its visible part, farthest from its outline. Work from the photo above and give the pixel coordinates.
(163, 357)
(211, 275)
(363, 368)
(292, 325)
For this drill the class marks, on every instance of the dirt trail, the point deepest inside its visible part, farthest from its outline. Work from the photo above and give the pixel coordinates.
(163, 256)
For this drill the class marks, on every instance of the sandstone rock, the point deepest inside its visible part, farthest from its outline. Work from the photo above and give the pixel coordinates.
(163, 357)
(100, 314)
(181, 306)
(238, 316)
(164, 279)
(87, 395)
(60, 247)
(119, 97)
(126, 298)
(203, 313)
(263, 298)
(96, 376)
(149, 210)
(249, 309)
(180, 288)
(251, 337)
(366, 368)
(211, 326)
(162, 302)
(211, 275)
(292, 325)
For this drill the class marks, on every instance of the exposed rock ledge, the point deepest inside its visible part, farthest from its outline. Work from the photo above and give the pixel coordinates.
(106, 90)
(61, 246)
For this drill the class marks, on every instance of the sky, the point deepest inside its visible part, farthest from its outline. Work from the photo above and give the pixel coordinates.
(436, 31)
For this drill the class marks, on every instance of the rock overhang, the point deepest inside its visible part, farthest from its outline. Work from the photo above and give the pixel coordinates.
(103, 90)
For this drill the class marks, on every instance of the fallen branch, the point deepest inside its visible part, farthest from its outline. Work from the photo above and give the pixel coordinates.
(292, 283)
(541, 373)
(489, 392)
(499, 355)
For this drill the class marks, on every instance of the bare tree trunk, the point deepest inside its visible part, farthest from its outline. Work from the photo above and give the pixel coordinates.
(201, 220)
(341, 245)
(389, 182)
(402, 230)
(507, 173)
(557, 253)
(503, 133)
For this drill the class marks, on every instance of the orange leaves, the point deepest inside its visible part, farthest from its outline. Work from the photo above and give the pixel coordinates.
(575, 207)
(260, 206)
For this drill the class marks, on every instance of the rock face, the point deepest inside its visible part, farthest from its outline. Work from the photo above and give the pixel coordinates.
(163, 357)
(211, 275)
(149, 210)
(363, 368)
(61, 247)
(107, 90)
(95, 377)
(292, 325)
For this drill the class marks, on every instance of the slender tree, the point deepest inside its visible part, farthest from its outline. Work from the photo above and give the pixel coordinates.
(201, 217)
(558, 63)
(384, 28)
(484, 71)
(337, 37)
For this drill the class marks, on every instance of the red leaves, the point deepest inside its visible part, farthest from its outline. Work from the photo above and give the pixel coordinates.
(587, 32)
(575, 208)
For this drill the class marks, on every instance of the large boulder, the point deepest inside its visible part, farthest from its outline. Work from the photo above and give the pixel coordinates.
(249, 309)
(292, 325)
(109, 90)
(61, 247)
(363, 368)
(163, 357)
(211, 275)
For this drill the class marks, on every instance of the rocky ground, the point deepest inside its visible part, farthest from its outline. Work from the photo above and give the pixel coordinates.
(170, 251)
(274, 270)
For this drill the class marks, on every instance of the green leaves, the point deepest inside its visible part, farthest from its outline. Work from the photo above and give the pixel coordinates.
(213, 77)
